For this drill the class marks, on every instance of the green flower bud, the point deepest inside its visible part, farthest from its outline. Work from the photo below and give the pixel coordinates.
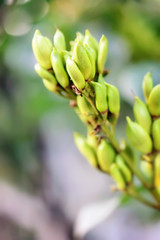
(42, 48)
(84, 106)
(113, 99)
(44, 74)
(156, 134)
(117, 176)
(80, 36)
(138, 137)
(90, 41)
(75, 74)
(86, 150)
(49, 85)
(127, 174)
(106, 155)
(154, 101)
(147, 170)
(147, 85)
(102, 53)
(59, 40)
(157, 173)
(100, 97)
(80, 56)
(92, 57)
(58, 68)
(142, 115)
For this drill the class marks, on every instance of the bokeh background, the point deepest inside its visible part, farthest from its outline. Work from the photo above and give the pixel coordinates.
(47, 189)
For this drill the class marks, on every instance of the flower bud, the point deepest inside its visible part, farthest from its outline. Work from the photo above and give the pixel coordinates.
(157, 173)
(142, 115)
(75, 74)
(90, 41)
(113, 99)
(92, 139)
(147, 170)
(44, 74)
(127, 174)
(58, 68)
(101, 79)
(117, 176)
(80, 56)
(138, 137)
(86, 150)
(102, 53)
(156, 134)
(59, 40)
(92, 57)
(42, 48)
(147, 85)
(106, 155)
(80, 36)
(154, 101)
(49, 85)
(84, 106)
(100, 97)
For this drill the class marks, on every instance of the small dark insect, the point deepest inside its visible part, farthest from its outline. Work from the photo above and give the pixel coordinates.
(76, 91)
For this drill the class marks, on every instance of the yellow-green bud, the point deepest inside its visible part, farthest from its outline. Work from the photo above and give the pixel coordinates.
(49, 85)
(75, 74)
(84, 106)
(90, 41)
(100, 97)
(147, 85)
(117, 176)
(92, 139)
(106, 155)
(138, 137)
(154, 101)
(156, 134)
(124, 168)
(147, 170)
(42, 48)
(45, 74)
(113, 99)
(86, 150)
(80, 56)
(92, 57)
(58, 68)
(157, 173)
(142, 115)
(101, 79)
(102, 53)
(59, 40)
(80, 36)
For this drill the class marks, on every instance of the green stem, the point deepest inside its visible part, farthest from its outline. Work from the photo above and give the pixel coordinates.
(134, 194)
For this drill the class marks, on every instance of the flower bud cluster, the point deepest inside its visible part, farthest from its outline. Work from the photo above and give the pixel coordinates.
(144, 133)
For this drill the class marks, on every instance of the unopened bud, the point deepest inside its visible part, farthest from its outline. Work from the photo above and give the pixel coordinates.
(102, 53)
(154, 101)
(75, 74)
(156, 134)
(117, 176)
(59, 40)
(42, 48)
(124, 168)
(45, 74)
(86, 150)
(138, 137)
(58, 68)
(142, 115)
(106, 155)
(147, 85)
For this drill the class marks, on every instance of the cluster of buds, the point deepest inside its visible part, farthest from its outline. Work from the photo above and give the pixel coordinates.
(78, 74)
(144, 133)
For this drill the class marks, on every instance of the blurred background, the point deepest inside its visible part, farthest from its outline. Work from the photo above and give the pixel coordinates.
(47, 189)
